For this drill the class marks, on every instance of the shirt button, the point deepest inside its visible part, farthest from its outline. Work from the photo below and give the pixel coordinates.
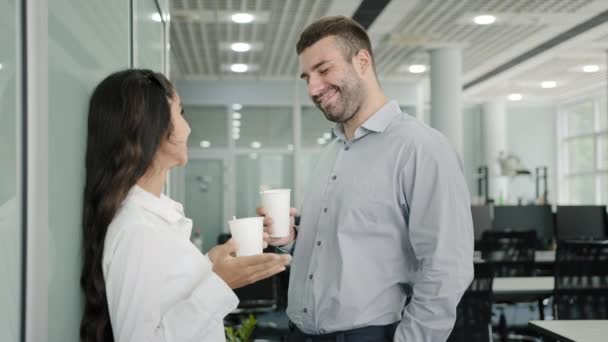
(334, 177)
(324, 210)
(305, 310)
(310, 276)
(346, 148)
(318, 243)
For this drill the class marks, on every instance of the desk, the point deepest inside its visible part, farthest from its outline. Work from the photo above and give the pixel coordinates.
(541, 257)
(573, 330)
(522, 289)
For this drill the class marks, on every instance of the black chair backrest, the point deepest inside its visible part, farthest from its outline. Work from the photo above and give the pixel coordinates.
(474, 312)
(581, 222)
(511, 252)
(526, 217)
(581, 280)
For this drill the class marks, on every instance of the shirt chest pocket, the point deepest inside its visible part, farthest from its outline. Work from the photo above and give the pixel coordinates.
(359, 206)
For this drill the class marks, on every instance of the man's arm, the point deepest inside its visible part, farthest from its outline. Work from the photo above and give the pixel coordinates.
(441, 233)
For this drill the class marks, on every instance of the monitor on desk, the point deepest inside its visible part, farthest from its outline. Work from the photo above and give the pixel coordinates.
(576, 222)
(526, 217)
(482, 219)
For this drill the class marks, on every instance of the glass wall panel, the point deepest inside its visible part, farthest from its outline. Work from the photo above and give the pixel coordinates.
(205, 199)
(602, 145)
(88, 40)
(580, 118)
(581, 190)
(580, 155)
(208, 126)
(256, 172)
(603, 189)
(316, 129)
(147, 36)
(268, 126)
(11, 229)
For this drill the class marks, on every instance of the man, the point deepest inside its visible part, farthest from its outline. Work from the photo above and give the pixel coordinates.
(387, 215)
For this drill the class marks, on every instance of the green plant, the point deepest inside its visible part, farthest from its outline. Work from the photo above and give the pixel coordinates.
(244, 331)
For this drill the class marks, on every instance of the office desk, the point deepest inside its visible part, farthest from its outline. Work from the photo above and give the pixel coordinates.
(522, 289)
(541, 257)
(573, 330)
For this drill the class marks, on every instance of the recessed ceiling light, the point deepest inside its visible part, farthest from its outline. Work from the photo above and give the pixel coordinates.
(156, 17)
(548, 84)
(205, 144)
(237, 106)
(240, 47)
(239, 67)
(591, 68)
(242, 18)
(417, 68)
(236, 116)
(236, 123)
(1, 66)
(515, 97)
(320, 141)
(326, 136)
(256, 144)
(485, 19)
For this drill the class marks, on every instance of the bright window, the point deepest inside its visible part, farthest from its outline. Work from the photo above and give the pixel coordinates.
(583, 152)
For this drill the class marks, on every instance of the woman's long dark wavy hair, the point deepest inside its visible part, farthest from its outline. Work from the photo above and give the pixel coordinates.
(129, 116)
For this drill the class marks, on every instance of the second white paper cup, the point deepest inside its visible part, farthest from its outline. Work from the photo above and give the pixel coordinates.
(277, 204)
(248, 233)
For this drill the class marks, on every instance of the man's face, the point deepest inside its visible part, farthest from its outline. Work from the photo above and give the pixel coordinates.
(333, 83)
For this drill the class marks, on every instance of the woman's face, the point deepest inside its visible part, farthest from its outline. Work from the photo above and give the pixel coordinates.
(174, 150)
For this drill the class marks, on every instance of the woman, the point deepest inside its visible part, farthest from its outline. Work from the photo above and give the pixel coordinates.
(142, 278)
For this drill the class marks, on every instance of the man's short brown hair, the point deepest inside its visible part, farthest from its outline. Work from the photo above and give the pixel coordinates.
(350, 35)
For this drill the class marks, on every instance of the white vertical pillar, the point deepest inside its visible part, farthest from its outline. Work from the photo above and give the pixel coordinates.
(495, 141)
(297, 143)
(446, 90)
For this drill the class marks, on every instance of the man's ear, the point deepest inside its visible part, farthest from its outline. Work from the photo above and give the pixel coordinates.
(362, 61)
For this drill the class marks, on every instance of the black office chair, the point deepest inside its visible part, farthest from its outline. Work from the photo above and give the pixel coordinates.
(512, 253)
(474, 312)
(581, 280)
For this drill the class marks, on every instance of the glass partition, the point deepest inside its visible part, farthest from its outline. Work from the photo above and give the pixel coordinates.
(11, 228)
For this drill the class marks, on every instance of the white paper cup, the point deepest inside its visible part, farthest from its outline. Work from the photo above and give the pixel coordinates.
(248, 233)
(277, 204)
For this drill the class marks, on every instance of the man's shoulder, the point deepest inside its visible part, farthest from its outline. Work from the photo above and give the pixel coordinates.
(415, 133)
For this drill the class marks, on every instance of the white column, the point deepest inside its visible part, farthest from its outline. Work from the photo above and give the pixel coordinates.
(495, 141)
(446, 90)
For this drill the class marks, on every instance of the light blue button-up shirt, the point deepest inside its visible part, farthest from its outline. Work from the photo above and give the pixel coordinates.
(386, 211)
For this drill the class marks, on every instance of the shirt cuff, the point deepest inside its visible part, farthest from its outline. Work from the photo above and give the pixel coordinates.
(216, 297)
(288, 248)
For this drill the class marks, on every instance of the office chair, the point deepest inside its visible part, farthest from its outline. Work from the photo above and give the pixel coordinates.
(581, 280)
(474, 312)
(511, 254)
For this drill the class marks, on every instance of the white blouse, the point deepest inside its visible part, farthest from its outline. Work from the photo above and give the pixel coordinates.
(159, 286)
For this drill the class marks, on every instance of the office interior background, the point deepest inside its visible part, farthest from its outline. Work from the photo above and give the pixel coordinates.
(529, 98)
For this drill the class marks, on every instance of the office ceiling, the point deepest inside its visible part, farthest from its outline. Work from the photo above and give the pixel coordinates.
(402, 34)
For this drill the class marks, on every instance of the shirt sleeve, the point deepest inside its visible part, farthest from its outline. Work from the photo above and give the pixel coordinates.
(138, 276)
(441, 233)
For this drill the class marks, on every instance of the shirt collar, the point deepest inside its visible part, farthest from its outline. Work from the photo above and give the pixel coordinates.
(162, 206)
(378, 122)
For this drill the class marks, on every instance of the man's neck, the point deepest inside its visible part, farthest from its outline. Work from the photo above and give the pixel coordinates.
(374, 102)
